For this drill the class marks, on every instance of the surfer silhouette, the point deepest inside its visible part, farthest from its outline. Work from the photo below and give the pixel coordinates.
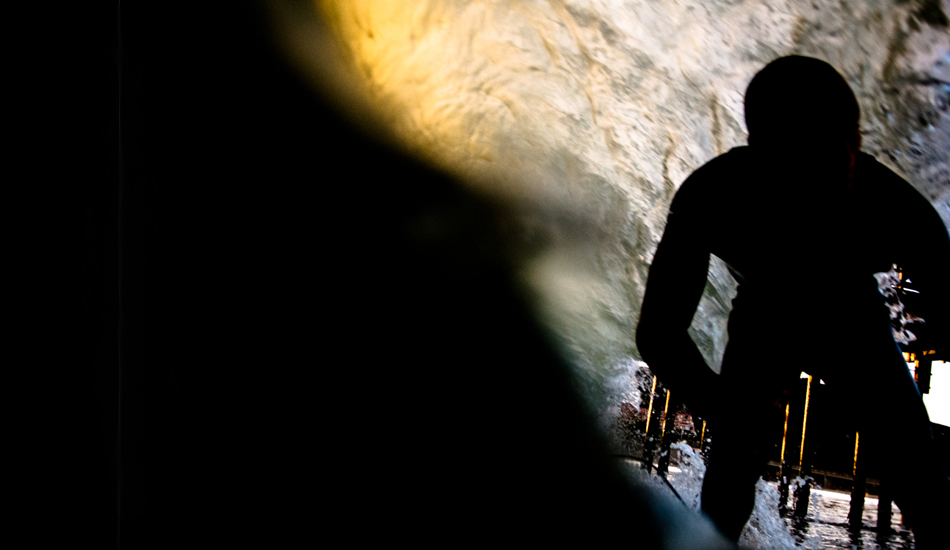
(803, 220)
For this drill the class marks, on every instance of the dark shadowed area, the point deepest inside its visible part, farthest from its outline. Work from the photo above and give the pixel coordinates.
(288, 332)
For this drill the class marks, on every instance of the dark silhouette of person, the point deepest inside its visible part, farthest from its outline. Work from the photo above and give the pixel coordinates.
(803, 220)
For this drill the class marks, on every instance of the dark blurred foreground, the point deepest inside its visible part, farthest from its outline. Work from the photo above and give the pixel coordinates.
(277, 329)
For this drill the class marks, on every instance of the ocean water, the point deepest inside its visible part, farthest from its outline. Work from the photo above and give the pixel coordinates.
(824, 527)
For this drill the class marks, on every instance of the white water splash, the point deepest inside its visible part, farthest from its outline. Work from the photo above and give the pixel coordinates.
(689, 480)
(766, 529)
(825, 526)
(620, 384)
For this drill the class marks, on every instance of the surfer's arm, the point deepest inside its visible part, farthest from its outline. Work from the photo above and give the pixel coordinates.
(675, 285)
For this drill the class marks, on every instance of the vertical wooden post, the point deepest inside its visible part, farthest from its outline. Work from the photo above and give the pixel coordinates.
(804, 491)
(649, 445)
(858, 489)
(666, 408)
(785, 432)
(784, 471)
(884, 511)
(801, 451)
(802, 496)
(650, 408)
(666, 437)
(857, 439)
(704, 444)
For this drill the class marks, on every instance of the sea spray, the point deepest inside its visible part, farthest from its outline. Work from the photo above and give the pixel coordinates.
(689, 480)
(766, 529)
